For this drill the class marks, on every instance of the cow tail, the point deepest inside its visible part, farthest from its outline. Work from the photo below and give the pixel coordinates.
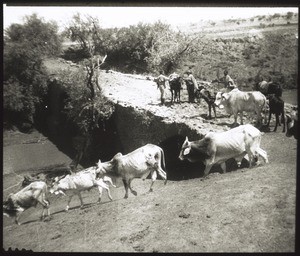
(163, 164)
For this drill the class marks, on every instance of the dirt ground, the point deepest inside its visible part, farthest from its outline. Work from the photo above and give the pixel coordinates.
(244, 210)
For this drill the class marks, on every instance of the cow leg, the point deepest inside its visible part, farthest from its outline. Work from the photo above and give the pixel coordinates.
(126, 188)
(207, 170)
(277, 122)
(109, 195)
(214, 109)
(239, 160)
(153, 178)
(129, 185)
(209, 111)
(162, 174)
(45, 205)
(223, 166)
(283, 121)
(17, 217)
(235, 117)
(69, 201)
(263, 154)
(268, 124)
(179, 95)
(81, 201)
(241, 117)
(100, 193)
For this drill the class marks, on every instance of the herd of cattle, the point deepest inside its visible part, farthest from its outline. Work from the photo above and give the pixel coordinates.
(214, 148)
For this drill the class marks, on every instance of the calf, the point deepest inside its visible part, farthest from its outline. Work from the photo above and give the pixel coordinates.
(76, 183)
(217, 147)
(237, 101)
(29, 196)
(276, 106)
(209, 99)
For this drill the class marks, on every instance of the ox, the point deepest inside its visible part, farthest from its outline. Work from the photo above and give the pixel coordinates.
(76, 183)
(292, 124)
(175, 82)
(208, 97)
(137, 164)
(217, 147)
(27, 197)
(276, 106)
(237, 101)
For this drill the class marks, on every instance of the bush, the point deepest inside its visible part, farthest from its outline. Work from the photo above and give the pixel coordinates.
(25, 46)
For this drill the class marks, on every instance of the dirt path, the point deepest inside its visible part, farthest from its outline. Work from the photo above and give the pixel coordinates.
(245, 210)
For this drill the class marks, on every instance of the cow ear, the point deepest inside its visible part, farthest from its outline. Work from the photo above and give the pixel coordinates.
(186, 151)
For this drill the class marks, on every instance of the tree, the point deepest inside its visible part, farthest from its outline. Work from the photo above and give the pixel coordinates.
(167, 48)
(25, 47)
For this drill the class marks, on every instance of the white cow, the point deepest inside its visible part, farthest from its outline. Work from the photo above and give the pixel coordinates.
(237, 101)
(28, 197)
(74, 184)
(137, 164)
(217, 147)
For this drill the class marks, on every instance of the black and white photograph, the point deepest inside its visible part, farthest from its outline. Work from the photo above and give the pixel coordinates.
(150, 128)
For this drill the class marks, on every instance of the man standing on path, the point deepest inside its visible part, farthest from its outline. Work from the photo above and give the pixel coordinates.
(161, 85)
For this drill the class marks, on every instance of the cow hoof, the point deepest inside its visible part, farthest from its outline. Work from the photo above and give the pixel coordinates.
(125, 197)
(150, 190)
(134, 192)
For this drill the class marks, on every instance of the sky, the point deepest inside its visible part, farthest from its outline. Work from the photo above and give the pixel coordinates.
(125, 16)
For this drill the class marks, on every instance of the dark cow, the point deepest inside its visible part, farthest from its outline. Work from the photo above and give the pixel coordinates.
(267, 88)
(137, 164)
(292, 124)
(28, 197)
(217, 147)
(175, 86)
(202, 92)
(276, 106)
(275, 88)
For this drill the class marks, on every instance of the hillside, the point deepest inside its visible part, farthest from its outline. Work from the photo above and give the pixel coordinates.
(264, 46)
(239, 27)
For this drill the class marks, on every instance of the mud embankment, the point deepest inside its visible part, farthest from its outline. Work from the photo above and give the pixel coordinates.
(138, 127)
